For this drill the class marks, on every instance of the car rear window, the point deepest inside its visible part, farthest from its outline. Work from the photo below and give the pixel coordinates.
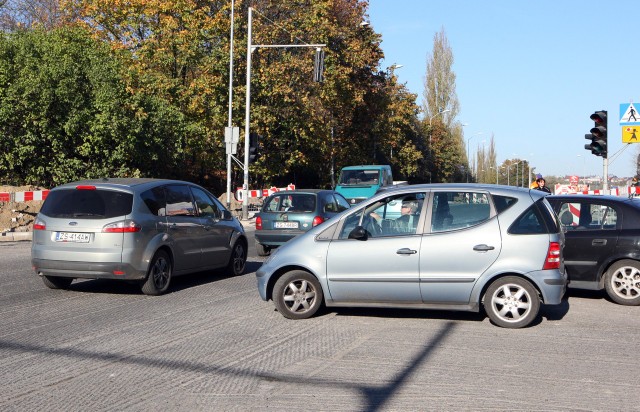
(87, 204)
(291, 202)
(537, 219)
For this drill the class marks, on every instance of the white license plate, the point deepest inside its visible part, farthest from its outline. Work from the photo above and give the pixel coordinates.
(72, 237)
(285, 225)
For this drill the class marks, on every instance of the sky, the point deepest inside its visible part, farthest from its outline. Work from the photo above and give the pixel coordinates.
(528, 73)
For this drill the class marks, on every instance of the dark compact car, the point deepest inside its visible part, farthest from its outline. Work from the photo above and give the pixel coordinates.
(285, 215)
(142, 230)
(602, 249)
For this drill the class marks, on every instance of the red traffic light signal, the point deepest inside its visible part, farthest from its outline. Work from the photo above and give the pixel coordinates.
(598, 135)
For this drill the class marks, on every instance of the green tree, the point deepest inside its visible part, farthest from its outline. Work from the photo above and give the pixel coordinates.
(440, 105)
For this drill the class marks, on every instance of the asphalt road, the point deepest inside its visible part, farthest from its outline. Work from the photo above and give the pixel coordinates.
(212, 344)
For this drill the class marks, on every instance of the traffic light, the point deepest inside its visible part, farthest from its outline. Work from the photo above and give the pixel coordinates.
(254, 142)
(598, 135)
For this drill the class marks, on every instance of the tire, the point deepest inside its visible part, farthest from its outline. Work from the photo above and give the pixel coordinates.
(297, 295)
(159, 274)
(511, 302)
(54, 282)
(622, 282)
(262, 249)
(238, 259)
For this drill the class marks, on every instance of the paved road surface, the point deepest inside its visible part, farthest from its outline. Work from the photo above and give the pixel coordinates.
(211, 344)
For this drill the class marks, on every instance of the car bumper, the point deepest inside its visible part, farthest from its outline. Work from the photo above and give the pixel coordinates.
(552, 284)
(87, 270)
(269, 238)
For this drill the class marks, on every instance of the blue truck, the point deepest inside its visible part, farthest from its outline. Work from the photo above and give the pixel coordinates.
(357, 183)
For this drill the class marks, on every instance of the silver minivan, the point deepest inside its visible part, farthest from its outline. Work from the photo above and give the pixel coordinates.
(143, 230)
(451, 247)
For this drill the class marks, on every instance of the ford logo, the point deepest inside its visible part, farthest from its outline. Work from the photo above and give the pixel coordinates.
(73, 223)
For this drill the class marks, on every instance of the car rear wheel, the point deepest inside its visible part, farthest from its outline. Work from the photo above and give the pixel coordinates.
(297, 295)
(54, 282)
(511, 302)
(622, 282)
(159, 275)
(262, 249)
(238, 259)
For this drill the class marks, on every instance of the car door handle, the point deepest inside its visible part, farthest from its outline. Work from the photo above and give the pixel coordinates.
(483, 248)
(599, 242)
(406, 251)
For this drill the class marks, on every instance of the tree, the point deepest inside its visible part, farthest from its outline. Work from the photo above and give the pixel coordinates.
(27, 14)
(440, 105)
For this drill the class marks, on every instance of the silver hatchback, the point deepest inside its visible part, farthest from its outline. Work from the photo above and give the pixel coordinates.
(451, 246)
(143, 230)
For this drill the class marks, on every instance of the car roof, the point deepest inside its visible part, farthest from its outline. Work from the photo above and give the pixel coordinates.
(610, 198)
(496, 189)
(121, 183)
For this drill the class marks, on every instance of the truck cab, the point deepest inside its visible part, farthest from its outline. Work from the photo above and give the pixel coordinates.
(357, 183)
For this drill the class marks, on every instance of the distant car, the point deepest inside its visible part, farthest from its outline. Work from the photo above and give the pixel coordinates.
(454, 246)
(602, 244)
(287, 214)
(143, 230)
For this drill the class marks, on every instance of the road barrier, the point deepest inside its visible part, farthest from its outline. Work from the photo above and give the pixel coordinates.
(261, 193)
(23, 196)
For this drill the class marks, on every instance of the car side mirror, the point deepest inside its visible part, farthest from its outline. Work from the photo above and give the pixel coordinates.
(359, 233)
(226, 215)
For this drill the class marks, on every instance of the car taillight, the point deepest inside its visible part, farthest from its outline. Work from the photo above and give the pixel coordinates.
(123, 226)
(317, 220)
(85, 187)
(39, 225)
(553, 257)
(258, 223)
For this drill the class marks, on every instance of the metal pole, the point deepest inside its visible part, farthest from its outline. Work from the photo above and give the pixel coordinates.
(605, 172)
(245, 184)
(230, 107)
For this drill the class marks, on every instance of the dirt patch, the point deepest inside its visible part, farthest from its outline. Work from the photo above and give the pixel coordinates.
(18, 216)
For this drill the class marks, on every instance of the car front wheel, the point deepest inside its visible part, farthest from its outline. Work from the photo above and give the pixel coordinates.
(511, 302)
(622, 282)
(297, 295)
(159, 275)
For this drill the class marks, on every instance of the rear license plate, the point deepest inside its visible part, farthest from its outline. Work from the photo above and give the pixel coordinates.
(72, 237)
(285, 225)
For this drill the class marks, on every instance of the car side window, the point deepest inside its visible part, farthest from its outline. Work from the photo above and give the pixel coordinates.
(458, 210)
(155, 200)
(531, 222)
(179, 202)
(342, 203)
(329, 203)
(204, 204)
(587, 216)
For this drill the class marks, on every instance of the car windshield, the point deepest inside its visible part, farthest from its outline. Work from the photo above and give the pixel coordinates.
(359, 177)
(87, 204)
(291, 202)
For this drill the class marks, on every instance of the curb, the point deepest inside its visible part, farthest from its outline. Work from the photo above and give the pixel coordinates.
(15, 236)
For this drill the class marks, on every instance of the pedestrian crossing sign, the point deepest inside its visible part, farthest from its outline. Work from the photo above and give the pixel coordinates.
(629, 115)
(630, 134)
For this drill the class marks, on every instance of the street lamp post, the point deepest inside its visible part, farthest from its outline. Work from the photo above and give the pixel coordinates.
(440, 112)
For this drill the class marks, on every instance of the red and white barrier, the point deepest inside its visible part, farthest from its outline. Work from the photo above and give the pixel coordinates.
(23, 196)
(261, 193)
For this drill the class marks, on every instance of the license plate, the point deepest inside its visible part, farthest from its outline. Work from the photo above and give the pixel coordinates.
(72, 237)
(285, 225)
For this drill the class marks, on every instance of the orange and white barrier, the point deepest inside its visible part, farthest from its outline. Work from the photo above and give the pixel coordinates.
(261, 193)
(23, 196)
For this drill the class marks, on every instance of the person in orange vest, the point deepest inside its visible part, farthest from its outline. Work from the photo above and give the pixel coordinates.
(534, 184)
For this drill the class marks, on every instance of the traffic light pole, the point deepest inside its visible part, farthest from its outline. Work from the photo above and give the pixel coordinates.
(250, 49)
(605, 174)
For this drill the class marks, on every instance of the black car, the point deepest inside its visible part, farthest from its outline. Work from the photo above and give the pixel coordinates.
(602, 249)
(287, 214)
